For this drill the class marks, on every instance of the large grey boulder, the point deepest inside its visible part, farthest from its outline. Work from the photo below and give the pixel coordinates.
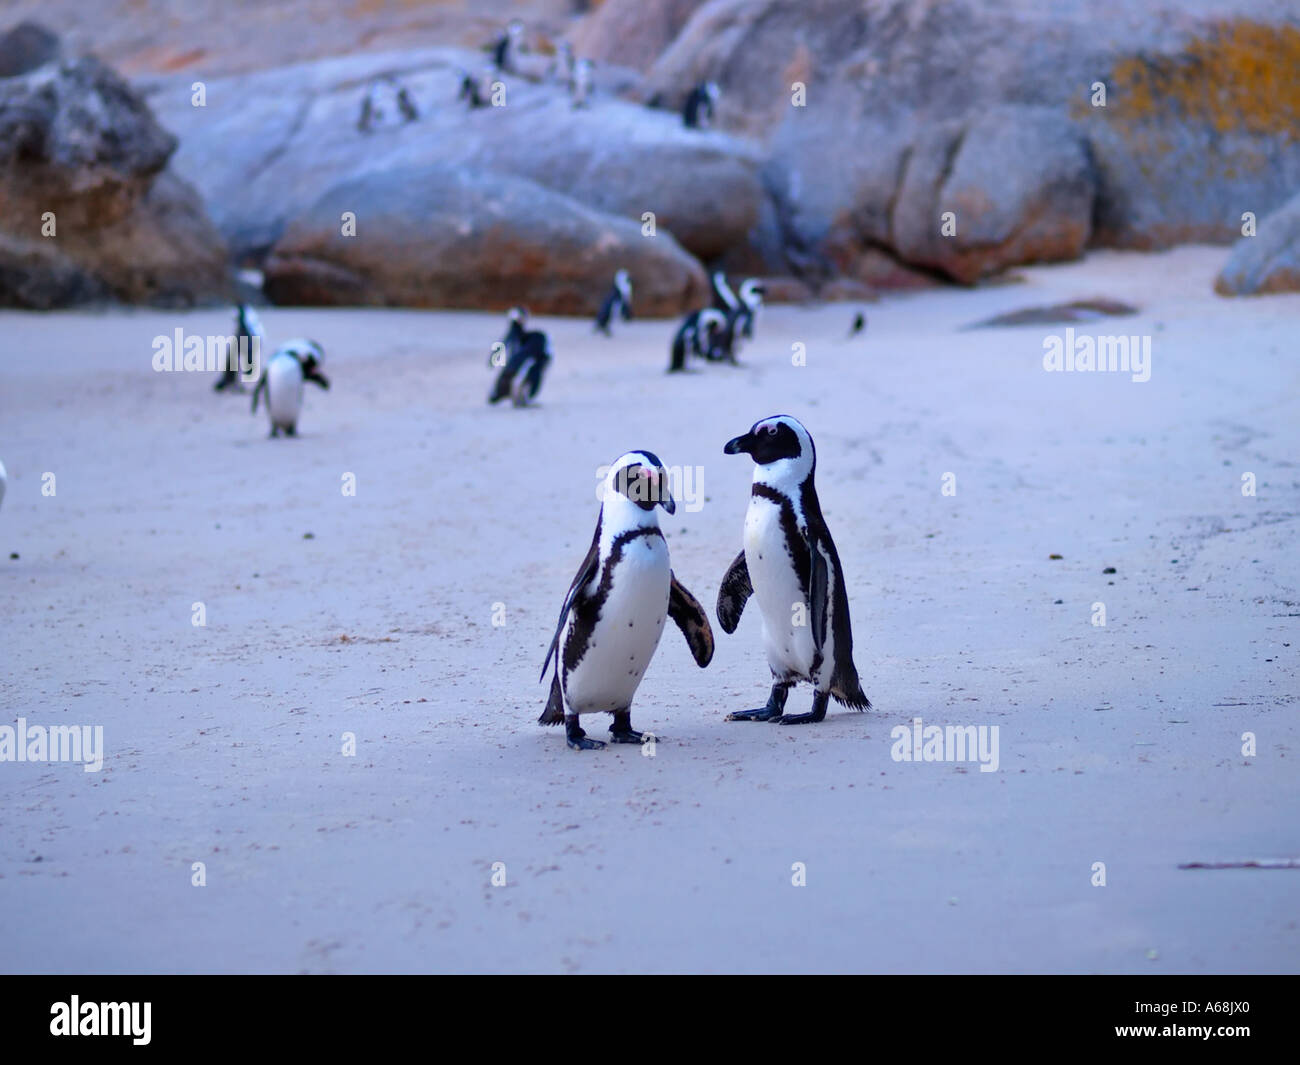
(266, 144)
(451, 237)
(87, 209)
(1267, 262)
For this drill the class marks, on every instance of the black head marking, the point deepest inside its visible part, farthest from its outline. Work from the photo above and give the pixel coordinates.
(768, 441)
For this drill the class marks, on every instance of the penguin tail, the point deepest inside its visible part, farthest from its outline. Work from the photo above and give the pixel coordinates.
(847, 691)
(554, 712)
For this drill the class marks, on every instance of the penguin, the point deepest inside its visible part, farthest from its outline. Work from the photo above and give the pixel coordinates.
(580, 83)
(859, 324)
(619, 298)
(789, 562)
(613, 614)
(528, 354)
(248, 330)
(471, 89)
(282, 379)
(708, 334)
(751, 299)
(697, 112)
(504, 51)
(724, 299)
(380, 93)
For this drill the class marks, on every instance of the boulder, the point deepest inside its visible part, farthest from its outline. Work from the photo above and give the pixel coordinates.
(1198, 118)
(87, 209)
(1267, 262)
(25, 47)
(451, 237)
(631, 33)
(265, 144)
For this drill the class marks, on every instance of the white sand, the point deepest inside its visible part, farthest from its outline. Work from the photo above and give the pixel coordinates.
(1119, 744)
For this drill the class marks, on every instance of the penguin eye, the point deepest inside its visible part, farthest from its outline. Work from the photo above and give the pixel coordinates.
(770, 430)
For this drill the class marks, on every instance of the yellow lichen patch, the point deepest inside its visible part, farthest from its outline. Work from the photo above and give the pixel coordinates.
(1239, 76)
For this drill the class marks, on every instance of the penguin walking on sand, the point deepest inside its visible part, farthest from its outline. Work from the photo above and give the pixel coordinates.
(697, 112)
(248, 332)
(790, 563)
(294, 363)
(859, 324)
(619, 299)
(613, 615)
(527, 354)
(708, 334)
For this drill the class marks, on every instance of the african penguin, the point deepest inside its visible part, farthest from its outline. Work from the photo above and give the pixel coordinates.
(709, 334)
(527, 356)
(580, 82)
(503, 53)
(859, 324)
(613, 615)
(790, 563)
(473, 89)
(385, 97)
(697, 112)
(751, 299)
(724, 299)
(619, 299)
(248, 329)
(282, 379)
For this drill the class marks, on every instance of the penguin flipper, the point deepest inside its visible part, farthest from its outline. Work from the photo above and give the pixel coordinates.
(690, 617)
(586, 572)
(554, 712)
(818, 592)
(261, 384)
(734, 593)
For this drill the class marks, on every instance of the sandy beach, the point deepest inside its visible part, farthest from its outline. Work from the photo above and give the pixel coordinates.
(373, 614)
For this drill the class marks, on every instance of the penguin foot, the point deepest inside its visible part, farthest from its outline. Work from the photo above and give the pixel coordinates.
(621, 730)
(763, 713)
(577, 737)
(820, 699)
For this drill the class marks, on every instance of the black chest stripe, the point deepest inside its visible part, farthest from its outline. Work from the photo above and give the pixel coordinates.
(795, 542)
(586, 608)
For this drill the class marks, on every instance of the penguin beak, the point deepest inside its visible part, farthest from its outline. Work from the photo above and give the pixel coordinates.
(740, 445)
(665, 497)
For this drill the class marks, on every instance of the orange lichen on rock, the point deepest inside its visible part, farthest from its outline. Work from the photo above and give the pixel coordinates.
(1240, 76)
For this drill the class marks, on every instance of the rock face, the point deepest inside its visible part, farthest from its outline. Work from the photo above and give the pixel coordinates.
(1268, 261)
(26, 47)
(451, 237)
(632, 34)
(1198, 123)
(267, 144)
(87, 210)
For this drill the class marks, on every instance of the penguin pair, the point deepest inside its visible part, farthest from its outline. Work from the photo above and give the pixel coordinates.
(741, 307)
(283, 377)
(697, 111)
(248, 331)
(527, 354)
(617, 603)
(709, 333)
(386, 97)
(476, 91)
(619, 299)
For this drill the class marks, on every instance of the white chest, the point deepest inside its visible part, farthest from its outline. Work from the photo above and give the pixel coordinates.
(787, 630)
(284, 391)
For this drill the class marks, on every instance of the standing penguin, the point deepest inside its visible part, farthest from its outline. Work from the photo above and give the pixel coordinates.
(724, 299)
(248, 331)
(282, 379)
(507, 47)
(751, 299)
(619, 298)
(581, 82)
(697, 112)
(613, 615)
(791, 564)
